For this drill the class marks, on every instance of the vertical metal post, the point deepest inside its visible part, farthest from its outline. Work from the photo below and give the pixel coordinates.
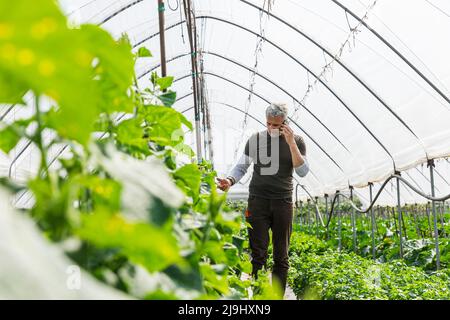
(414, 212)
(436, 235)
(307, 216)
(429, 220)
(162, 37)
(372, 219)
(376, 212)
(206, 114)
(326, 214)
(299, 211)
(405, 230)
(317, 219)
(338, 212)
(192, 38)
(441, 215)
(311, 226)
(395, 221)
(353, 220)
(399, 209)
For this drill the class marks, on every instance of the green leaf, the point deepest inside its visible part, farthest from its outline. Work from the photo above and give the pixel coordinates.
(185, 121)
(142, 243)
(144, 52)
(12, 89)
(11, 135)
(129, 132)
(164, 83)
(103, 192)
(168, 98)
(115, 70)
(8, 139)
(164, 125)
(51, 208)
(189, 178)
(213, 281)
(40, 53)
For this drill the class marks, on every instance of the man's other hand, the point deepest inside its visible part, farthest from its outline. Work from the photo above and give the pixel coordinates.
(223, 184)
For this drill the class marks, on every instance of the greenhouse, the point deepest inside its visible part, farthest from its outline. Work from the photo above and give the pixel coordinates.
(132, 135)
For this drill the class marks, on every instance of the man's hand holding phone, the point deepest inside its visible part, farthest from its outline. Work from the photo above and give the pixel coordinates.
(287, 132)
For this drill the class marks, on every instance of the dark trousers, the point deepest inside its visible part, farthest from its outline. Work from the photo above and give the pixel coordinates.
(275, 214)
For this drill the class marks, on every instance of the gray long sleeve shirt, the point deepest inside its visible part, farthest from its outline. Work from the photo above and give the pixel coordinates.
(272, 174)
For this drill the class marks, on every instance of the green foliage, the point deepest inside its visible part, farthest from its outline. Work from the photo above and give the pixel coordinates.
(8, 139)
(318, 272)
(83, 70)
(141, 243)
(418, 240)
(164, 83)
(143, 52)
(188, 178)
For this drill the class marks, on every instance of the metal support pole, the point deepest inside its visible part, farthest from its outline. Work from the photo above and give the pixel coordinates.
(377, 214)
(436, 235)
(339, 223)
(429, 220)
(395, 221)
(353, 220)
(399, 209)
(317, 201)
(195, 87)
(372, 219)
(301, 212)
(441, 215)
(416, 221)
(307, 216)
(162, 38)
(326, 214)
(317, 219)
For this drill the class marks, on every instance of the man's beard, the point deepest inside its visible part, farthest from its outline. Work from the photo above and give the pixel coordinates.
(274, 133)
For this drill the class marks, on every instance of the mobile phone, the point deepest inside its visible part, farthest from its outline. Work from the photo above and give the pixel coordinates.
(286, 121)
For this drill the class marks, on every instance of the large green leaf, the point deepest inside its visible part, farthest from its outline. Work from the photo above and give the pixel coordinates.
(8, 139)
(115, 70)
(142, 243)
(103, 192)
(165, 125)
(11, 89)
(39, 52)
(129, 132)
(10, 135)
(168, 98)
(188, 178)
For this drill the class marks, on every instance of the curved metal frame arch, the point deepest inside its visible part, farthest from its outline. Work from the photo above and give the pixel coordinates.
(391, 47)
(268, 102)
(261, 76)
(312, 199)
(273, 83)
(365, 85)
(432, 198)
(298, 62)
(345, 9)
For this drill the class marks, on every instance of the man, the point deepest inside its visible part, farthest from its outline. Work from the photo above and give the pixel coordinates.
(276, 153)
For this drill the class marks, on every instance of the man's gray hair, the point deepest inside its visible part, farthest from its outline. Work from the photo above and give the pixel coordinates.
(276, 110)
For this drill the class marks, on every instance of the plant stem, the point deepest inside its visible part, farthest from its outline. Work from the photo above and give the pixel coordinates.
(38, 138)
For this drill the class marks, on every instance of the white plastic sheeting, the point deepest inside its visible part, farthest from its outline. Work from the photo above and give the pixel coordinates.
(369, 96)
(419, 178)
